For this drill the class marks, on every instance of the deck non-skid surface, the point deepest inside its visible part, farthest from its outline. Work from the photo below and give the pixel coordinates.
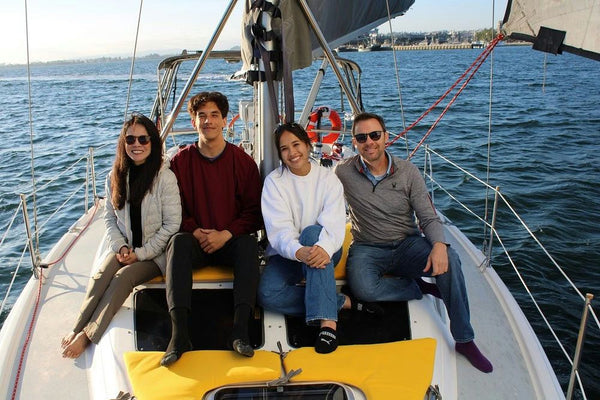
(495, 338)
(45, 374)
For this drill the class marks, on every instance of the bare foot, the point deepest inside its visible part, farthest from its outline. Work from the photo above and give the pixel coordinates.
(67, 340)
(77, 346)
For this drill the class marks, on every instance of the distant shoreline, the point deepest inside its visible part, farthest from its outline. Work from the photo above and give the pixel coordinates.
(445, 46)
(453, 46)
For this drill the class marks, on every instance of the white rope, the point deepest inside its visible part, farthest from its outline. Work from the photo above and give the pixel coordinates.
(137, 32)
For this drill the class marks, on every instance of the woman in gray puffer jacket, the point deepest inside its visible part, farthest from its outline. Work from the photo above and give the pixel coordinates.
(142, 211)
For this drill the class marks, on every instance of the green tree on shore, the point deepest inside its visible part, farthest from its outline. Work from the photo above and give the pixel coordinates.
(484, 35)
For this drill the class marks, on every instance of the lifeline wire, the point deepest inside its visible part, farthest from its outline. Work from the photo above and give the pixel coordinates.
(397, 71)
(37, 240)
(489, 143)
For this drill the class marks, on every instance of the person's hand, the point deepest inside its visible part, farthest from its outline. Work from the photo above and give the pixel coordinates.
(438, 259)
(313, 256)
(126, 256)
(212, 240)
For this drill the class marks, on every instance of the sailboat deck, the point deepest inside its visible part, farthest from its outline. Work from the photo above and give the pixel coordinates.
(45, 374)
(100, 372)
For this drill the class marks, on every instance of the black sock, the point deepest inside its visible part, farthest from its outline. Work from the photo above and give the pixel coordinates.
(180, 337)
(367, 308)
(326, 341)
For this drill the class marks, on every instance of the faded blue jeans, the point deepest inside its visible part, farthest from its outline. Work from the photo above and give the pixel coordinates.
(280, 288)
(386, 272)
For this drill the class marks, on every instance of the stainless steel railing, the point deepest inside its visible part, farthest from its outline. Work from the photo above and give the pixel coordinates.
(493, 237)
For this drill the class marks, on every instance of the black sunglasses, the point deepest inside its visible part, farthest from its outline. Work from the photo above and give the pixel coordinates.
(130, 139)
(362, 137)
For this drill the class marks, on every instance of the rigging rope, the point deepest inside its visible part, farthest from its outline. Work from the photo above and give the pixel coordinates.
(137, 32)
(473, 68)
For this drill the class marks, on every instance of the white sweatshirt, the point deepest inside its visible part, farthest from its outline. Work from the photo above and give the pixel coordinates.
(290, 203)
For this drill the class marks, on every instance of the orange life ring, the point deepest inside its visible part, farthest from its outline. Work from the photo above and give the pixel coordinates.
(314, 122)
(232, 122)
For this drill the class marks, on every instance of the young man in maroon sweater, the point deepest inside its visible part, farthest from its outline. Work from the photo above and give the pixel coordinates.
(220, 190)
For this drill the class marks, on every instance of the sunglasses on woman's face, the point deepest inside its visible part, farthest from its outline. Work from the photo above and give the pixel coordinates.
(130, 139)
(362, 137)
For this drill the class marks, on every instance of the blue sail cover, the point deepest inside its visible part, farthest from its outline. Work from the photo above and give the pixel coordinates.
(556, 26)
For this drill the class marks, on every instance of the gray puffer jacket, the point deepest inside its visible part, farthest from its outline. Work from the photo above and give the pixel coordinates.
(161, 218)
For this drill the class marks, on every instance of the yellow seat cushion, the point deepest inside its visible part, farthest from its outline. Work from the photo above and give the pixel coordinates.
(382, 371)
(397, 370)
(225, 274)
(196, 372)
(209, 273)
(340, 267)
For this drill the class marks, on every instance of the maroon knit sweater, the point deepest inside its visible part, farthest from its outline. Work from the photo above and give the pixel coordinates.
(220, 194)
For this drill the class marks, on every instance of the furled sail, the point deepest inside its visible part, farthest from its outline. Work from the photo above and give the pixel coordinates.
(272, 26)
(556, 26)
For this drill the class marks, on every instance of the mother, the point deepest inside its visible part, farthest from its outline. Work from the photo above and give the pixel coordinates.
(143, 210)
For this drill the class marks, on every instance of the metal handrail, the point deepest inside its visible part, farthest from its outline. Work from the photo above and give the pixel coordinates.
(28, 244)
(499, 197)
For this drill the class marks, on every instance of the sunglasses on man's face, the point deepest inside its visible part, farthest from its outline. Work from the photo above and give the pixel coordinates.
(130, 139)
(362, 137)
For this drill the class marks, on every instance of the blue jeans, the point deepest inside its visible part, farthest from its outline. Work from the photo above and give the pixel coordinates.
(280, 290)
(386, 272)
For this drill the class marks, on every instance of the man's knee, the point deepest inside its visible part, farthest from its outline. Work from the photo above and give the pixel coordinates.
(180, 241)
(246, 245)
(363, 286)
(453, 258)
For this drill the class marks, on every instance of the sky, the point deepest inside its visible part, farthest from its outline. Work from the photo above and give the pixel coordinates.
(82, 29)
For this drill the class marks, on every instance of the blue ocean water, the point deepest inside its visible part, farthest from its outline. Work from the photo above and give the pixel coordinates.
(545, 146)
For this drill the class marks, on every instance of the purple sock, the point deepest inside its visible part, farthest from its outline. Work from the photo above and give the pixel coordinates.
(429, 288)
(472, 353)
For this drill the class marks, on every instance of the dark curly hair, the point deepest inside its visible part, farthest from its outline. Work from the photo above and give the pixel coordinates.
(204, 97)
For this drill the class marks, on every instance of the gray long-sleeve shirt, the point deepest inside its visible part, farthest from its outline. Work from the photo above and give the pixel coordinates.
(384, 212)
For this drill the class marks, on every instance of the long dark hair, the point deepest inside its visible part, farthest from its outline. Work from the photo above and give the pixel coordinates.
(149, 169)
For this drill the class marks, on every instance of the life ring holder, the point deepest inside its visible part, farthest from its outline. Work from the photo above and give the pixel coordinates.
(314, 127)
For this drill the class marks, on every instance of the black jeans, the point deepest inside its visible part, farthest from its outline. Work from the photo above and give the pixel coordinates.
(185, 254)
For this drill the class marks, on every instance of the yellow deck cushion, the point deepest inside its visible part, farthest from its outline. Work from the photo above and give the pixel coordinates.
(225, 274)
(206, 274)
(340, 267)
(382, 371)
(196, 372)
(398, 370)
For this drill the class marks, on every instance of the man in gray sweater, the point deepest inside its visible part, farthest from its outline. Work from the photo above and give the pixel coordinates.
(384, 193)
